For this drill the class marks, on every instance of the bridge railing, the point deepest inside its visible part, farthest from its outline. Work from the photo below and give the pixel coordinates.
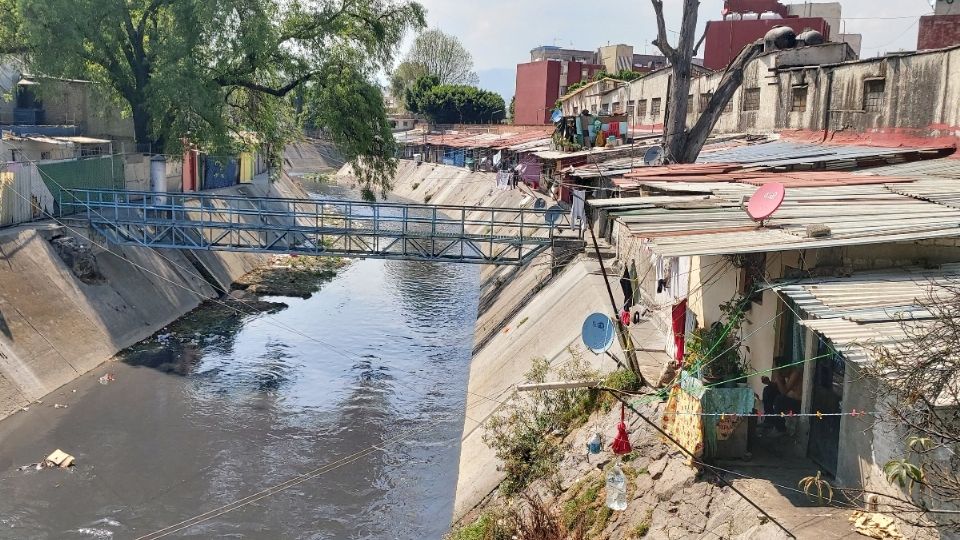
(215, 221)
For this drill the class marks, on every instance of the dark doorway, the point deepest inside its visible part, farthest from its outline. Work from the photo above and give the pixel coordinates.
(826, 397)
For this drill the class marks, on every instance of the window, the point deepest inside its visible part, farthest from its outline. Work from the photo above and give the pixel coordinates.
(584, 74)
(799, 98)
(873, 95)
(44, 155)
(642, 108)
(632, 109)
(617, 107)
(605, 108)
(690, 104)
(655, 108)
(751, 99)
(705, 100)
(728, 108)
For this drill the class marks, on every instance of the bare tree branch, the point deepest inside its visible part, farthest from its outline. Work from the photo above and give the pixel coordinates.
(662, 42)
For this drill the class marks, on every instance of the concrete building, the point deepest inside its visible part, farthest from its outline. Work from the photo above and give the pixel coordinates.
(552, 70)
(821, 90)
(32, 105)
(745, 21)
(942, 29)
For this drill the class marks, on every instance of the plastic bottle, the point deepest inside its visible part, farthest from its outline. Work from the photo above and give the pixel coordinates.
(595, 445)
(616, 489)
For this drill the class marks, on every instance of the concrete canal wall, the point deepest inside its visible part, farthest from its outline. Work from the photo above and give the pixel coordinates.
(59, 320)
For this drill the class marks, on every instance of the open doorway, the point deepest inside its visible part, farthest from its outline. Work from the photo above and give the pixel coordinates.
(826, 397)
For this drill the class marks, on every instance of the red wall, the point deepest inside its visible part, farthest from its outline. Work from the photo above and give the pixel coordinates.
(939, 31)
(725, 39)
(538, 88)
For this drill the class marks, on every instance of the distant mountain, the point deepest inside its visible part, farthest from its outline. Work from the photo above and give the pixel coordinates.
(500, 80)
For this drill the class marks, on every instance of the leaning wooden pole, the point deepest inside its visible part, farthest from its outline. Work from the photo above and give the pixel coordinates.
(622, 332)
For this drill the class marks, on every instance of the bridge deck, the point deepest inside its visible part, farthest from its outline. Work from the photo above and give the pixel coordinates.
(501, 236)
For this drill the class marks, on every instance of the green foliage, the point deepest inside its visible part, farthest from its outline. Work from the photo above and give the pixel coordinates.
(627, 75)
(415, 95)
(716, 350)
(448, 104)
(523, 432)
(904, 473)
(586, 510)
(404, 77)
(513, 109)
(486, 527)
(352, 110)
(211, 70)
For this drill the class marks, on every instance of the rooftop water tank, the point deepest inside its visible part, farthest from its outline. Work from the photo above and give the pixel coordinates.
(780, 37)
(810, 37)
(769, 15)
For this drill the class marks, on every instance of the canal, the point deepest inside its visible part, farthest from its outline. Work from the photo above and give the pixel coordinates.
(361, 386)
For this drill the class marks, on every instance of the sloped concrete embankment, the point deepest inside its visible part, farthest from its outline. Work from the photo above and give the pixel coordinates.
(524, 313)
(57, 323)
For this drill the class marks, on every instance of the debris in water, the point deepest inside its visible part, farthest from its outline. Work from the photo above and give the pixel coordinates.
(107, 379)
(59, 406)
(57, 459)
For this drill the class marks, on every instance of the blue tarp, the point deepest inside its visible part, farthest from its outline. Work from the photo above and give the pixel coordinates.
(220, 172)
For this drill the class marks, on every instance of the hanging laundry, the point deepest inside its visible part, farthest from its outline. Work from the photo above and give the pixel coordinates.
(497, 157)
(679, 316)
(683, 421)
(578, 215)
(635, 282)
(626, 285)
(661, 274)
(503, 180)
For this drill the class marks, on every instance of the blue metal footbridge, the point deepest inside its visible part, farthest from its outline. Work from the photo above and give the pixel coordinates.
(319, 227)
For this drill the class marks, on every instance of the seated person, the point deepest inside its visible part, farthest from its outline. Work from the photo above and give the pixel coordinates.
(782, 395)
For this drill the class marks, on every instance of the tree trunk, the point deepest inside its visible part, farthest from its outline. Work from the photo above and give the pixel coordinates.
(681, 59)
(141, 126)
(731, 81)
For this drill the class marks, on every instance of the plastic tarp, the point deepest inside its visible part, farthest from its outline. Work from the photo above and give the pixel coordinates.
(220, 172)
(89, 173)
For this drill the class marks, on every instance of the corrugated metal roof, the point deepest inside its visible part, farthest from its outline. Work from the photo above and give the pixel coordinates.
(780, 154)
(868, 310)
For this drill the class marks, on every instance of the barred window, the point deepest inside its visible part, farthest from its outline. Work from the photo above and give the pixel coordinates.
(655, 108)
(690, 104)
(705, 100)
(642, 108)
(799, 98)
(751, 99)
(728, 108)
(874, 91)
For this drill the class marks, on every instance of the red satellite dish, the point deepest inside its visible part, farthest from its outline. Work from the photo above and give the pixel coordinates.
(766, 201)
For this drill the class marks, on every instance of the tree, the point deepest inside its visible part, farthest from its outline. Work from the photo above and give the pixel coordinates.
(404, 76)
(444, 57)
(415, 95)
(210, 70)
(918, 393)
(458, 104)
(513, 109)
(682, 145)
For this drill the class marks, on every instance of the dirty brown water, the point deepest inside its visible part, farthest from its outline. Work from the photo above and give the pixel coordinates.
(211, 415)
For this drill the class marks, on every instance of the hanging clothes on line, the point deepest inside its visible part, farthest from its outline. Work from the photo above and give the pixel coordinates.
(679, 317)
(578, 214)
(626, 285)
(503, 180)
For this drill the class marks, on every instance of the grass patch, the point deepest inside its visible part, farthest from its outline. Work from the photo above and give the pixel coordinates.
(642, 528)
(587, 510)
(486, 527)
(522, 321)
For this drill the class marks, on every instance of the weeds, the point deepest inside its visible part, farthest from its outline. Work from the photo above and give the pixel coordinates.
(642, 528)
(526, 433)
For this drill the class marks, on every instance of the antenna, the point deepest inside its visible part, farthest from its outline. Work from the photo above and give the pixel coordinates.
(653, 156)
(766, 201)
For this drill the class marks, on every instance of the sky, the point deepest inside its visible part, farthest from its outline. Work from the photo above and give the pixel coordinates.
(501, 33)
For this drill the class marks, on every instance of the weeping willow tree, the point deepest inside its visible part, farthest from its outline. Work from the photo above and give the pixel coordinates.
(213, 70)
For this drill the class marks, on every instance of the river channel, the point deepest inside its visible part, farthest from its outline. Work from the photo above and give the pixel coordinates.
(196, 421)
